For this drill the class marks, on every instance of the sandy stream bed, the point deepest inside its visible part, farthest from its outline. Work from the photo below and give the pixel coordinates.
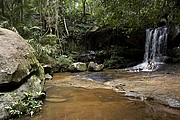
(162, 85)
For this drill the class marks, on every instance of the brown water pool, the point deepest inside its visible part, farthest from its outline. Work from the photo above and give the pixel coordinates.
(72, 103)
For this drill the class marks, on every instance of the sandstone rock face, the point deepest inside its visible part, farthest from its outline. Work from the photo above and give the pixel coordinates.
(20, 71)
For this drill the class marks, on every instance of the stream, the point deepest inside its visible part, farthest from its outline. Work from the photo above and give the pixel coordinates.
(66, 102)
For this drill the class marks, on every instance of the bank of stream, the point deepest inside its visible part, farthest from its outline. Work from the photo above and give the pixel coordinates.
(103, 96)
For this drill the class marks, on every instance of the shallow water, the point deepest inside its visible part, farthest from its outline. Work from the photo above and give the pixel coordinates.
(70, 103)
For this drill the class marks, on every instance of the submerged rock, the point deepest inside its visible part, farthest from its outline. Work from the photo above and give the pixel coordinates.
(20, 71)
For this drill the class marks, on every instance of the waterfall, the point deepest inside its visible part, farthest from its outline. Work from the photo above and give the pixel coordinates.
(156, 44)
(155, 50)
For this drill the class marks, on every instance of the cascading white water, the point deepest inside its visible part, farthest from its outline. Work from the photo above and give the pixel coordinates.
(156, 44)
(155, 49)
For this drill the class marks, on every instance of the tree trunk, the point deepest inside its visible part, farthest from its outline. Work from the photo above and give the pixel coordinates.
(65, 25)
(2, 7)
(84, 8)
(22, 11)
(57, 18)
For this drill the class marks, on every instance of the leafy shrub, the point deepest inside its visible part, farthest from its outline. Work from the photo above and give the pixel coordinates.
(49, 39)
(64, 62)
(46, 53)
(30, 105)
(51, 54)
(4, 24)
(115, 62)
(110, 63)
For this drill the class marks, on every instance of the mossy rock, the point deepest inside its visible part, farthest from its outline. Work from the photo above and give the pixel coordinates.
(20, 71)
(95, 67)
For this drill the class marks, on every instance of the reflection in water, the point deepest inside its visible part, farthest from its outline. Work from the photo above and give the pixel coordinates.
(70, 103)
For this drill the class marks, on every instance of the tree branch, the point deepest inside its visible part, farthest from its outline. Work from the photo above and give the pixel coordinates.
(65, 26)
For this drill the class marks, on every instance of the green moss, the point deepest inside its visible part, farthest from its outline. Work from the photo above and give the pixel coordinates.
(81, 67)
(99, 67)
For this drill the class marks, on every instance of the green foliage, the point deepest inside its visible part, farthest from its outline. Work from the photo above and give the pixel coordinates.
(176, 52)
(4, 24)
(46, 47)
(126, 14)
(130, 15)
(30, 105)
(64, 62)
(49, 39)
(115, 62)
(112, 58)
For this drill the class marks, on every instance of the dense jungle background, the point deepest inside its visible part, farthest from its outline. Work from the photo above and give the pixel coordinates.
(111, 32)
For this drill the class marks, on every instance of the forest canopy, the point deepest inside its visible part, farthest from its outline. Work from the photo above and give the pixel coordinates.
(48, 14)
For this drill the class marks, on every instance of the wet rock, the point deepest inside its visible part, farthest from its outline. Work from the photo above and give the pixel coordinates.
(48, 77)
(95, 67)
(173, 103)
(167, 100)
(20, 71)
(120, 86)
(132, 94)
(78, 67)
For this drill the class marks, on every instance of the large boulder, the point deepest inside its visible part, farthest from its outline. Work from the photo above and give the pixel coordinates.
(20, 71)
